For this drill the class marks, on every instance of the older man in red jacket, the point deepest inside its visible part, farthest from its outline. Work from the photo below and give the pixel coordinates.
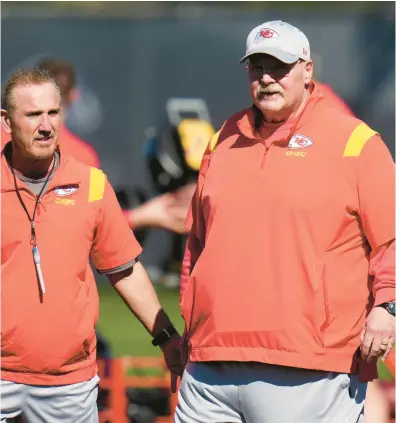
(289, 269)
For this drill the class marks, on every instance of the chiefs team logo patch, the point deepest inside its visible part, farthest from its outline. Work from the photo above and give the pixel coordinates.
(299, 141)
(63, 191)
(264, 33)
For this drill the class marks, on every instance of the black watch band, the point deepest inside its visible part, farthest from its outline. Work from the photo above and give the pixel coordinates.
(163, 336)
(389, 307)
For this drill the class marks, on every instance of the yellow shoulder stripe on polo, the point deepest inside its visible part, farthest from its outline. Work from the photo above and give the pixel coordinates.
(213, 141)
(360, 135)
(97, 181)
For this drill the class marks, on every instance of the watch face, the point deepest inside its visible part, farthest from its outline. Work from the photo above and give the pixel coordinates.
(392, 307)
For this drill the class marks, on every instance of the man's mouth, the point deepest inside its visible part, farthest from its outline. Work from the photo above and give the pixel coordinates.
(45, 138)
(268, 95)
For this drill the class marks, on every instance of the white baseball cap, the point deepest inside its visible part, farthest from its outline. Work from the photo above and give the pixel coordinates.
(278, 39)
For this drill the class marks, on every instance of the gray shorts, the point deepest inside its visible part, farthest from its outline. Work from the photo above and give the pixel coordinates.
(74, 403)
(259, 393)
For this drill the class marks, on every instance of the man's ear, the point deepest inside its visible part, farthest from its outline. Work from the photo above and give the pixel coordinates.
(5, 121)
(308, 72)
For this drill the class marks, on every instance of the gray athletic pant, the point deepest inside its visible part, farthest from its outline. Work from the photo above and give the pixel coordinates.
(224, 392)
(74, 403)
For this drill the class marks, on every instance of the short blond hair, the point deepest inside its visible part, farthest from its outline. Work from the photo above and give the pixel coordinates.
(27, 76)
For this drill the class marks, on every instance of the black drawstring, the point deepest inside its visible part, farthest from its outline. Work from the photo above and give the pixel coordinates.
(33, 240)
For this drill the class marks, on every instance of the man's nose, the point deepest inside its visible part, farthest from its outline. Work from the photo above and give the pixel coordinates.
(266, 77)
(45, 123)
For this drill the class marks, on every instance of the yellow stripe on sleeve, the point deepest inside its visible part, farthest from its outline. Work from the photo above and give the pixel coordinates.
(360, 135)
(97, 181)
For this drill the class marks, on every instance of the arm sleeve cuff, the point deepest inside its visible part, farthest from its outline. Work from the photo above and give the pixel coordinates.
(384, 295)
(118, 268)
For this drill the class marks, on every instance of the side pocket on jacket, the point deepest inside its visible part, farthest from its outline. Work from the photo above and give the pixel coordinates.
(325, 302)
(321, 313)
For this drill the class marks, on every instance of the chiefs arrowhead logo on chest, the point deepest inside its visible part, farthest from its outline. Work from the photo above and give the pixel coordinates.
(63, 191)
(299, 141)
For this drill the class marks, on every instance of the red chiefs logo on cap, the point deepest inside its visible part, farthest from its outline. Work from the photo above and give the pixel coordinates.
(267, 33)
(264, 33)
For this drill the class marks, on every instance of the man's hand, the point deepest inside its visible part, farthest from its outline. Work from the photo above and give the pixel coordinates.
(172, 355)
(167, 211)
(378, 335)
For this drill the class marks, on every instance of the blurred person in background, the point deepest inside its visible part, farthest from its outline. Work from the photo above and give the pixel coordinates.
(57, 213)
(166, 211)
(173, 155)
(288, 279)
(66, 78)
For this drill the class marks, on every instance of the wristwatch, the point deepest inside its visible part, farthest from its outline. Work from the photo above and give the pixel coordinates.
(389, 307)
(163, 336)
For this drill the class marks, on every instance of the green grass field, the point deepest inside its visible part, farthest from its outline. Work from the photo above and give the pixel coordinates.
(127, 336)
(123, 331)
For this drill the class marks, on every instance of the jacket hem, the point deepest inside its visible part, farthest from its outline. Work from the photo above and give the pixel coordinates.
(330, 362)
(46, 379)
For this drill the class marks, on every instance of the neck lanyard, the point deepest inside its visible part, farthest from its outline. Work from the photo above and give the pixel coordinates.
(33, 238)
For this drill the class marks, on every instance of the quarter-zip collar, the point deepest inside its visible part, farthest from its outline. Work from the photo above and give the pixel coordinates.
(63, 176)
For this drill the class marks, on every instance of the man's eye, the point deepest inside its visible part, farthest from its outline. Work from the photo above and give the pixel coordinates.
(285, 68)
